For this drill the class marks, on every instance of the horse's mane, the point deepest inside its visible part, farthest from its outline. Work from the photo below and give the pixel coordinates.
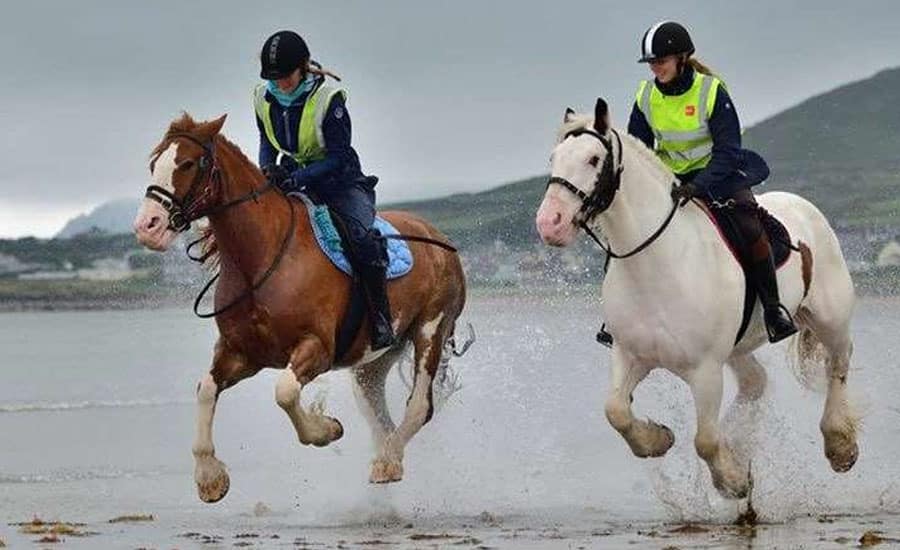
(586, 122)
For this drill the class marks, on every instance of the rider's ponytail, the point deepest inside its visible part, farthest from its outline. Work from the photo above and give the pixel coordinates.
(699, 66)
(317, 69)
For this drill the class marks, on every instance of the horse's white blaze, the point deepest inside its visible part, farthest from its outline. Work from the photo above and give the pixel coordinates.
(164, 168)
(152, 220)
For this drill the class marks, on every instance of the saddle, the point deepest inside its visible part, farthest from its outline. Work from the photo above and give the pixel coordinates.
(333, 239)
(779, 239)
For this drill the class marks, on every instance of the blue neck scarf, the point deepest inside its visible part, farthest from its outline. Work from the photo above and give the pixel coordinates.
(287, 99)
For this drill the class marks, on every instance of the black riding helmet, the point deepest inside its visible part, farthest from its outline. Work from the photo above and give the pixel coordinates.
(281, 54)
(665, 38)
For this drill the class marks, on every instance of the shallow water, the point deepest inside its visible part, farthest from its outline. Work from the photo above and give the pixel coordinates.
(96, 421)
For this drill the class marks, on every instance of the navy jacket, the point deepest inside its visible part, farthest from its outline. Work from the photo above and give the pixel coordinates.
(731, 167)
(340, 167)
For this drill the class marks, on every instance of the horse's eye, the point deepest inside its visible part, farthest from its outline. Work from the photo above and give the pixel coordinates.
(186, 165)
(594, 160)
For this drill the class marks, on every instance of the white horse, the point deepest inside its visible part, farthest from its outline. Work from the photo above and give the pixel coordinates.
(677, 302)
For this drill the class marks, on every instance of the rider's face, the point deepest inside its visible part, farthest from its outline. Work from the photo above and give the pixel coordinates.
(665, 68)
(289, 83)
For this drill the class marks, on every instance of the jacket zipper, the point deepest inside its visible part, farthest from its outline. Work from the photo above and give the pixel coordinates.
(287, 129)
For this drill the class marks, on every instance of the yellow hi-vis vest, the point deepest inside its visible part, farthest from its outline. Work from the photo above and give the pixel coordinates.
(680, 122)
(310, 139)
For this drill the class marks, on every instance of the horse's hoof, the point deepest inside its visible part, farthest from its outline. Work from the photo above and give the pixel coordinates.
(733, 489)
(734, 486)
(654, 442)
(384, 471)
(212, 480)
(842, 461)
(333, 432)
(667, 441)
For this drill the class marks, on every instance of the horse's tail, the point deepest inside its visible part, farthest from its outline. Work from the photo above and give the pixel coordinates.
(446, 380)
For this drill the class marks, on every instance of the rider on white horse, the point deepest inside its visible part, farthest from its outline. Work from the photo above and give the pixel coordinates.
(688, 118)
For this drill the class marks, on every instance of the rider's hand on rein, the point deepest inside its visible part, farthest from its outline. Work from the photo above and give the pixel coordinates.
(275, 174)
(684, 193)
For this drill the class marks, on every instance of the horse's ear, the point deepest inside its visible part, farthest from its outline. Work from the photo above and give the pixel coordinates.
(568, 116)
(601, 116)
(211, 128)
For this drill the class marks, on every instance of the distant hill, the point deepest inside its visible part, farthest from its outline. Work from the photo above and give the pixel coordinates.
(110, 217)
(840, 149)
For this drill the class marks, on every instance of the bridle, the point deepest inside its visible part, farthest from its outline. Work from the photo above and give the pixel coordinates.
(198, 203)
(606, 185)
(204, 189)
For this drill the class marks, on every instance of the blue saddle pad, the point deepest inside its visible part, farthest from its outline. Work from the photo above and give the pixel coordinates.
(400, 259)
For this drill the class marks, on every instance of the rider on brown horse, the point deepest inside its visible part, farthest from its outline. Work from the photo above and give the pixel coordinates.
(304, 145)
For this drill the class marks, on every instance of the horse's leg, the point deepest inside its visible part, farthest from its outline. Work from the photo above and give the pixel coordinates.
(229, 367)
(428, 340)
(751, 377)
(308, 360)
(368, 388)
(646, 438)
(838, 425)
(706, 385)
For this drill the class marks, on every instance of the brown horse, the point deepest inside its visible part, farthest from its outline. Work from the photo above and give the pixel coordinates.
(282, 301)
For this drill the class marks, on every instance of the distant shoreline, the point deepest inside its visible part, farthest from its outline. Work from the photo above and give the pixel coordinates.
(182, 298)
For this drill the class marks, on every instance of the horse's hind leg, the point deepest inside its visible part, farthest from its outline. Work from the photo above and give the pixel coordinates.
(228, 369)
(369, 390)
(838, 425)
(308, 360)
(728, 477)
(645, 438)
(751, 377)
(428, 340)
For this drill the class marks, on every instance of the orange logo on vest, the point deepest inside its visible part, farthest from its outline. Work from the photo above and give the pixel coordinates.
(689, 110)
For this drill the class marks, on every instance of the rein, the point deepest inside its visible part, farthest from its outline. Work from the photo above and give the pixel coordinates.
(605, 188)
(255, 286)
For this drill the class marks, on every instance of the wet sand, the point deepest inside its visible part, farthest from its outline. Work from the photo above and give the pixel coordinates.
(582, 529)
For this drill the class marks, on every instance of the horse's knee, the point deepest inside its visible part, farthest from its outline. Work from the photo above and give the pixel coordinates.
(618, 413)
(287, 390)
(707, 445)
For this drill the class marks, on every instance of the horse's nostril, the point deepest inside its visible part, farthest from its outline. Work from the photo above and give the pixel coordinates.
(154, 221)
(557, 218)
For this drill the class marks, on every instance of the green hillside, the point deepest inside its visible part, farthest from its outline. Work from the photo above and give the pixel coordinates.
(472, 219)
(841, 149)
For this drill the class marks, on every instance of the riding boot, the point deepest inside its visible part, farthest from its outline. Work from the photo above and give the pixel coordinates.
(375, 285)
(779, 324)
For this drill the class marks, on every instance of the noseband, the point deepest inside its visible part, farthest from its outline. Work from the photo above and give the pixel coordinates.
(608, 181)
(605, 186)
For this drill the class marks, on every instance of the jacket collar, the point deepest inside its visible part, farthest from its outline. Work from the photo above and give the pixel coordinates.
(681, 84)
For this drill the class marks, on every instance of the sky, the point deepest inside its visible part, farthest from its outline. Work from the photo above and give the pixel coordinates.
(444, 97)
